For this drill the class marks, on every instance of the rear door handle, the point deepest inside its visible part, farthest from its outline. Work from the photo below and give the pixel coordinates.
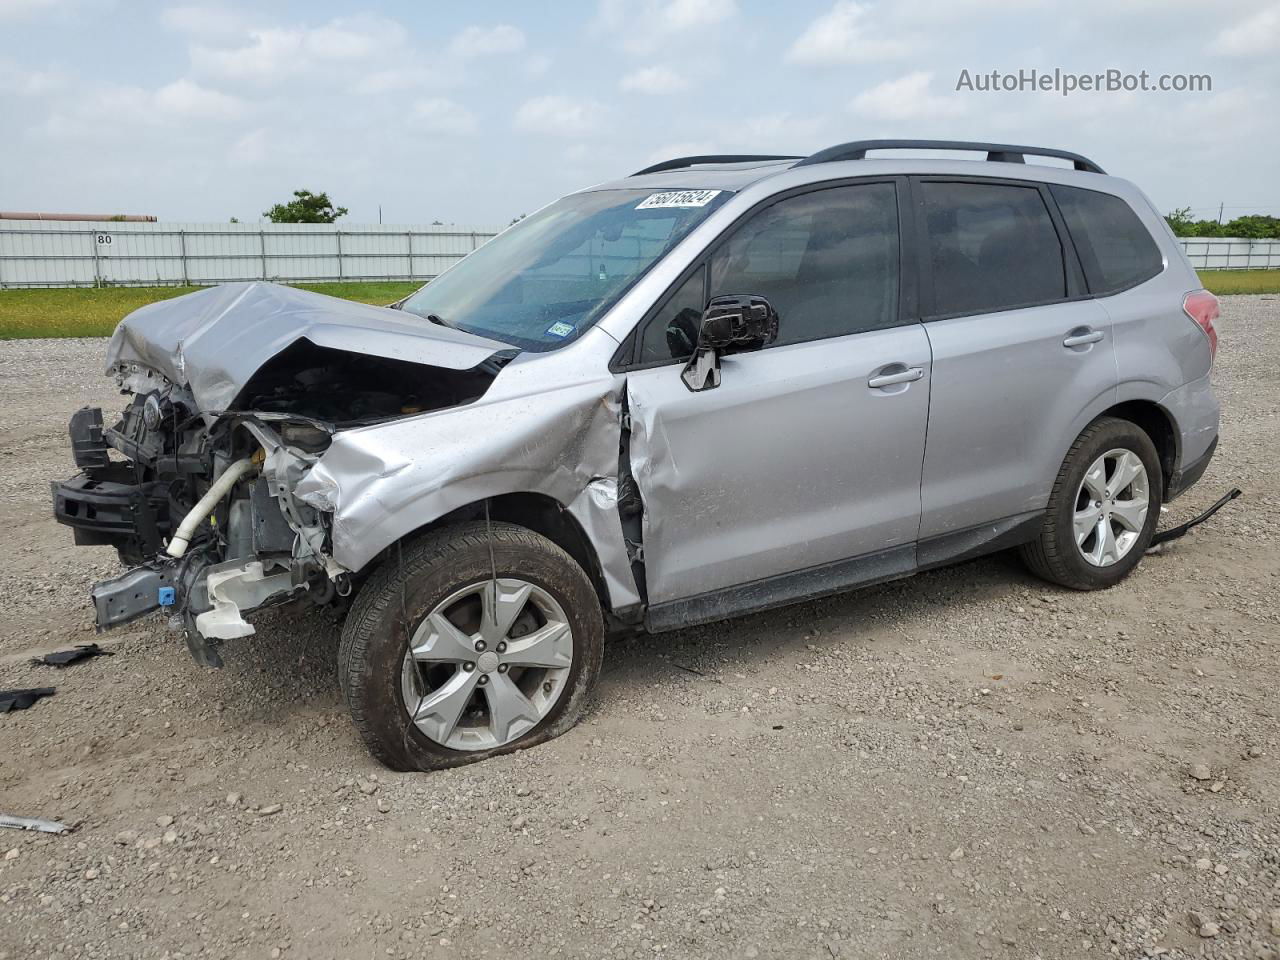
(889, 379)
(1083, 338)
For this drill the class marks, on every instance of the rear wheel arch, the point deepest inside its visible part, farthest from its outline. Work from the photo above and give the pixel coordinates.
(1156, 423)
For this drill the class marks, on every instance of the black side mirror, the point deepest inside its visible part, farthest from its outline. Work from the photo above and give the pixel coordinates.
(729, 325)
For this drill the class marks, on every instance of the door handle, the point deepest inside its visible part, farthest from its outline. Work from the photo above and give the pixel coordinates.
(908, 375)
(1083, 338)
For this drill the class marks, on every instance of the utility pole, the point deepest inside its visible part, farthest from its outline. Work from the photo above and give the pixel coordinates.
(1219, 213)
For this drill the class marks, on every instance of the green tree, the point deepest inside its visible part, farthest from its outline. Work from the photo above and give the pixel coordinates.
(305, 207)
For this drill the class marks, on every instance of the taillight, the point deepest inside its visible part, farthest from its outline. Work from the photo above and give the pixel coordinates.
(1202, 307)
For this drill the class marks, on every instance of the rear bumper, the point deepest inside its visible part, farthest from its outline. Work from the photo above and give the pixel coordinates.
(1194, 410)
(1190, 473)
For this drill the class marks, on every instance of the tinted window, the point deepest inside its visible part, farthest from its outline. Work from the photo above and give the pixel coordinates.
(992, 247)
(1115, 249)
(673, 331)
(827, 261)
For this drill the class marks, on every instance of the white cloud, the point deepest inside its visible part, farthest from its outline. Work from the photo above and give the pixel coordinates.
(274, 53)
(907, 97)
(656, 80)
(1258, 34)
(485, 41)
(250, 150)
(785, 133)
(683, 14)
(183, 98)
(203, 21)
(643, 26)
(845, 34)
(122, 108)
(558, 116)
(22, 9)
(30, 83)
(444, 116)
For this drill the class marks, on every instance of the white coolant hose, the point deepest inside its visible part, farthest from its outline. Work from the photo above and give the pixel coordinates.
(220, 488)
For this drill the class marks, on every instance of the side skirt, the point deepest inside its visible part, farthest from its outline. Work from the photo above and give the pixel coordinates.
(841, 575)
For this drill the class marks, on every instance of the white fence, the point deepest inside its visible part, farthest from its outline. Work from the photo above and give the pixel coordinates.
(1227, 253)
(51, 253)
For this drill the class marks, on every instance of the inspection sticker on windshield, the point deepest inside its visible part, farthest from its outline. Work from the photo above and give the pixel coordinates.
(678, 198)
(560, 329)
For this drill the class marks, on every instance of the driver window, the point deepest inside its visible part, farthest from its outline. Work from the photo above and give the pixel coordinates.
(672, 333)
(826, 260)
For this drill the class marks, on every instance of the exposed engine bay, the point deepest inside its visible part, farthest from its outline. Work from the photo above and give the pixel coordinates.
(199, 503)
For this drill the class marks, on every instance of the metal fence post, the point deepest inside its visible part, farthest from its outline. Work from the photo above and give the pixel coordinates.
(408, 236)
(182, 246)
(341, 272)
(475, 240)
(262, 243)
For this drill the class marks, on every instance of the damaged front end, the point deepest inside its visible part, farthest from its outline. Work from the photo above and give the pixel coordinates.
(194, 484)
(202, 507)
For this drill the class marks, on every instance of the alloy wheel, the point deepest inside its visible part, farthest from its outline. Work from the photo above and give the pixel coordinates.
(487, 664)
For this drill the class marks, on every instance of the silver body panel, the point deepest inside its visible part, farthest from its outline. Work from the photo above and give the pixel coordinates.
(792, 462)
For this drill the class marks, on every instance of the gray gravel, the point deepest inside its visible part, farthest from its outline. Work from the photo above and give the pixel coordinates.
(965, 764)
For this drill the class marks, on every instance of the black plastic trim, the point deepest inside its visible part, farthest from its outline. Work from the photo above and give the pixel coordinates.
(679, 163)
(1189, 475)
(795, 587)
(960, 545)
(997, 152)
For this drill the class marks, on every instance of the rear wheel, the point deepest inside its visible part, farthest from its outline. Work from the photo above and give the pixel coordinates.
(442, 663)
(1103, 509)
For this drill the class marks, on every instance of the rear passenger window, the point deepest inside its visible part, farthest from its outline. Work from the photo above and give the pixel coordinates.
(1115, 249)
(992, 247)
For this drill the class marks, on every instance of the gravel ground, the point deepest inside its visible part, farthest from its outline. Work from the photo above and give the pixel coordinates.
(965, 764)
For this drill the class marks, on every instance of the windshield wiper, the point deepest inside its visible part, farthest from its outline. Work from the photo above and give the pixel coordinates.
(436, 318)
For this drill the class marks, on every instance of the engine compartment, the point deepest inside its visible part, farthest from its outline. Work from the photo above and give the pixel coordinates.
(348, 389)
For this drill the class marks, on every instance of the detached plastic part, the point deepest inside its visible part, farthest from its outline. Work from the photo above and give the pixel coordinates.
(63, 658)
(22, 699)
(1173, 533)
(32, 823)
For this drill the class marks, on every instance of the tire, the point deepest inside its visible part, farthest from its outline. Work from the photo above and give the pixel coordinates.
(409, 587)
(1055, 554)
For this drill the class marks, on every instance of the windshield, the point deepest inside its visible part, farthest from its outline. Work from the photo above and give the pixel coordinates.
(544, 281)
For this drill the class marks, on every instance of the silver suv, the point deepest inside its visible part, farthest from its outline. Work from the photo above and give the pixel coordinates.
(719, 385)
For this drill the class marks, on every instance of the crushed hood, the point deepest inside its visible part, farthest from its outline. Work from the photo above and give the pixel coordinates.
(212, 341)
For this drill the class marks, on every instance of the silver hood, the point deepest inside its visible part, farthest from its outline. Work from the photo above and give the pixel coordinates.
(212, 341)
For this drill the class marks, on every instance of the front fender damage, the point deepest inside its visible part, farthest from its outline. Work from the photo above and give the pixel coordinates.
(379, 484)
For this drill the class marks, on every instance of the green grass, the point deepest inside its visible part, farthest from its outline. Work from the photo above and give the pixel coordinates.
(1241, 281)
(94, 312)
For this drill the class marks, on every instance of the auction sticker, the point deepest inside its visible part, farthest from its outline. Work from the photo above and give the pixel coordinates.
(678, 198)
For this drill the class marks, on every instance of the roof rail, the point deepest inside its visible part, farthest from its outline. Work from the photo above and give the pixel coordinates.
(681, 162)
(1001, 152)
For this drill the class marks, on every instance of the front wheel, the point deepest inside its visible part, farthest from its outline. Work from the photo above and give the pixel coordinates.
(1103, 509)
(442, 663)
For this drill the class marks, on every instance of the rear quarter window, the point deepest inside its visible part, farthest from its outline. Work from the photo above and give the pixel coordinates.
(1115, 249)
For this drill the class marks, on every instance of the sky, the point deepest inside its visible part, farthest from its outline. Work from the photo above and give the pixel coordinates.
(475, 113)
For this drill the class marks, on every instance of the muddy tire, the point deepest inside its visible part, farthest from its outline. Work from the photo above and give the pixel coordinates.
(442, 665)
(1103, 508)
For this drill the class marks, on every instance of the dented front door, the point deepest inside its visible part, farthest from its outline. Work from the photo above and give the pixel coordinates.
(806, 454)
